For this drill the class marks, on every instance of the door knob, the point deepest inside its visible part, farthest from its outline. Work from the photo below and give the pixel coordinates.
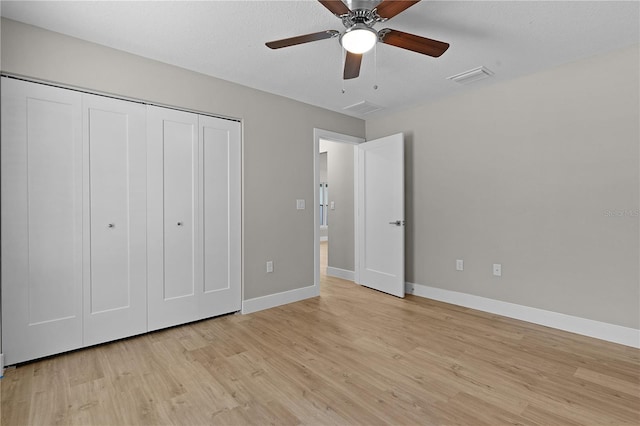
(397, 223)
(111, 225)
(180, 223)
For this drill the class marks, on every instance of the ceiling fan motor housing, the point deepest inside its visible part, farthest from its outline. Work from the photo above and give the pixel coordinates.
(367, 17)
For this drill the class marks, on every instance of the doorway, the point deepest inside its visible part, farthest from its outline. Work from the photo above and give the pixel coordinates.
(334, 204)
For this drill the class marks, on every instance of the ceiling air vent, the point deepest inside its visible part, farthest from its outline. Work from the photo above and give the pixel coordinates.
(471, 75)
(363, 107)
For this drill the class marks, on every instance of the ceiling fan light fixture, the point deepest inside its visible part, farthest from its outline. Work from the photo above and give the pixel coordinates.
(359, 39)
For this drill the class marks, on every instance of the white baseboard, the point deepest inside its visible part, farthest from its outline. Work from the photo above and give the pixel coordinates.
(325, 238)
(1, 366)
(340, 273)
(586, 327)
(271, 301)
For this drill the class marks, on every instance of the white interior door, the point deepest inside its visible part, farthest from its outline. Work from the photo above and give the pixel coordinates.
(380, 217)
(220, 221)
(115, 284)
(172, 198)
(41, 163)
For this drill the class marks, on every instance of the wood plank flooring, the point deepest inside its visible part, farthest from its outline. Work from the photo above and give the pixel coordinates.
(351, 356)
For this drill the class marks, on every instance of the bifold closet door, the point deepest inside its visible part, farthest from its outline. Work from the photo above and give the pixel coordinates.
(173, 263)
(194, 201)
(220, 221)
(41, 163)
(115, 286)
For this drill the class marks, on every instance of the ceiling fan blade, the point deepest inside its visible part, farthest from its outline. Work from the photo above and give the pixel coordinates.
(286, 42)
(352, 65)
(418, 44)
(390, 8)
(335, 6)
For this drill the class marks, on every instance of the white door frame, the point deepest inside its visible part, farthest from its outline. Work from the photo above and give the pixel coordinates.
(333, 137)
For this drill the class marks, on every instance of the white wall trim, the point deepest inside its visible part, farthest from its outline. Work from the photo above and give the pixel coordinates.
(324, 238)
(272, 300)
(1, 366)
(586, 327)
(340, 273)
(356, 234)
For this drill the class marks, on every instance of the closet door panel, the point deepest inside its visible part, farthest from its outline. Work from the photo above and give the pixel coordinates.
(172, 215)
(110, 236)
(221, 218)
(115, 284)
(51, 210)
(216, 208)
(179, 159)
(41, 198)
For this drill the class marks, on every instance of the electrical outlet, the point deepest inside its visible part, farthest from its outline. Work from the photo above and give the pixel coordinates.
(497, 269)
(459, 265)
(269, 265)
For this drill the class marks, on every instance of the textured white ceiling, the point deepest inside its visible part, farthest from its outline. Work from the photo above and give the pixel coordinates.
(226, 39)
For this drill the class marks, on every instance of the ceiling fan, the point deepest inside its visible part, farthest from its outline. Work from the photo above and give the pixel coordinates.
(359, 36)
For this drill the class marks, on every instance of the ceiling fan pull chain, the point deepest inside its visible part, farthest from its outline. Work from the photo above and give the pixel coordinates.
(375, 67)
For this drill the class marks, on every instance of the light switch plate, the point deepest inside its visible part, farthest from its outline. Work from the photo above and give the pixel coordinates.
(497, 269)
(459, 265)
(269, 265)
(300, 204)
(332, 205)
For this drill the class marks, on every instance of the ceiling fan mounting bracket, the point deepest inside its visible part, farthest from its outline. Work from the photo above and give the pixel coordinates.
(382, 33)
(378, 17)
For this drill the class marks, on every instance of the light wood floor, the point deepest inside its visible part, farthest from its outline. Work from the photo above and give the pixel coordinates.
(351, 356)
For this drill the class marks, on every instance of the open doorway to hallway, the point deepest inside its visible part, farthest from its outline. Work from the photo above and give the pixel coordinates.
(334, 158)
(336, 207)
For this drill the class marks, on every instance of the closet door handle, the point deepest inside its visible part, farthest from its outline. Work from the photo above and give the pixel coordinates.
(180, 223)
(111, 225)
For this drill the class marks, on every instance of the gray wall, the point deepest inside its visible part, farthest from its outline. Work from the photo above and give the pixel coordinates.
(341, 220)
(277, 137)
(540, 174)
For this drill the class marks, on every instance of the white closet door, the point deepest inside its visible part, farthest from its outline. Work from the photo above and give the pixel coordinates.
(41, 163)
(220, 195)
(115, 293)
(172, 217)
